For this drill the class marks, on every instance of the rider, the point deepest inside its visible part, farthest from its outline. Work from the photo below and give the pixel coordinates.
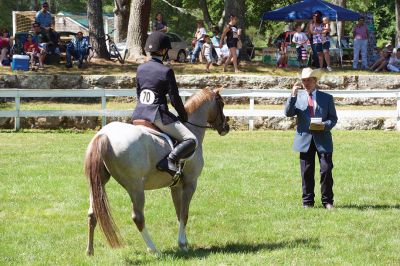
(154, 81)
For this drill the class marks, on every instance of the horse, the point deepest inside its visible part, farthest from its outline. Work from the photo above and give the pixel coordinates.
(129, 153)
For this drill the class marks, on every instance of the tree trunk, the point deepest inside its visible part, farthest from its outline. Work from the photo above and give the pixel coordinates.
(121, 19)
(34, 5)
(206, 14)
(340, 25)
(96, 28)
(237, 8)
(397, 7)
(137, 29)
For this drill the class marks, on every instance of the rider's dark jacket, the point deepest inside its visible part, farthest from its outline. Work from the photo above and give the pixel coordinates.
(154, 81)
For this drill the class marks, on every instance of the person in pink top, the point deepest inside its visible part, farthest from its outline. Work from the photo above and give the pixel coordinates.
(5, 44)
(360, 33)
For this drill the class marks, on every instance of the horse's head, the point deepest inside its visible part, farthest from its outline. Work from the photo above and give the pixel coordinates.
(216, 117)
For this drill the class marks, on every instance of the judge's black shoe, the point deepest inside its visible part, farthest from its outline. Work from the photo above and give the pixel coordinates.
(167, 165)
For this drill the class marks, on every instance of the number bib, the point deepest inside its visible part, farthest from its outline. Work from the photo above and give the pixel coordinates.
(147, 97)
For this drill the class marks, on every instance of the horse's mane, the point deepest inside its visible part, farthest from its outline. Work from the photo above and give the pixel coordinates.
(197, 99)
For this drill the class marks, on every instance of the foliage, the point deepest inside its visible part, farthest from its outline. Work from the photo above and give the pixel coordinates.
(246, 210)
(78, 6)
(184, 24)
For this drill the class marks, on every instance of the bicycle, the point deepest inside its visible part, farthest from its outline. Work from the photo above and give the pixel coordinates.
(113, 49)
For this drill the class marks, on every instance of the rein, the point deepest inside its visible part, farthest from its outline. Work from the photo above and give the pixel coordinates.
(210, 127)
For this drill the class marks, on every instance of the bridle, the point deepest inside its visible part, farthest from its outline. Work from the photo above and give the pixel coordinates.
(220, 103)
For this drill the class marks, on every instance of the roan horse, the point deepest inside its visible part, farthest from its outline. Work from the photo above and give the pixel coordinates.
(130, 153)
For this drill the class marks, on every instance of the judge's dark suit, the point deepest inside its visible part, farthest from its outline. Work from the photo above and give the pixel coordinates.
(310, 142)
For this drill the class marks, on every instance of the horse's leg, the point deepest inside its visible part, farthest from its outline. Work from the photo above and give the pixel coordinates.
(92, 219)
(137, 198)
(186, 196)
(176, 193)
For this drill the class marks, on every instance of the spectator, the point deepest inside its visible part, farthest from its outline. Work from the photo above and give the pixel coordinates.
(394, 61)
(282, 55)
(315, 60)
(206, 51)
(199, 36)
(383, 61)
(40, 37)
(326, 43)
(159, 24)
(300, 39)
(216, 40)
(316, 28)
(5, 44)
(232, 34)
(32, 49)
(43, 17)
(360, 33)
(78, 48)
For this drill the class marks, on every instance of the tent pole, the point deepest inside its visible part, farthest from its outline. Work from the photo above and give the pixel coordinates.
(340, 42)
(257, 35)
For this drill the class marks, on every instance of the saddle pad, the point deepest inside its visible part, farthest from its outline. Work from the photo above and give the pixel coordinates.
(158, 134)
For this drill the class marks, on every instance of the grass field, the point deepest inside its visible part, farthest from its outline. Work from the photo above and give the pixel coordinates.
(246, 210)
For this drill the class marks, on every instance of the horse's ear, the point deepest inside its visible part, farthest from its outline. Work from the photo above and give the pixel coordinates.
(218, 90)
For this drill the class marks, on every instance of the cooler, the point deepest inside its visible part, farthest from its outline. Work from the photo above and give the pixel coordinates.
(20, 62)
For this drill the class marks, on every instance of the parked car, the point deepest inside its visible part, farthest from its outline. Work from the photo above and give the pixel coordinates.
(178, 52)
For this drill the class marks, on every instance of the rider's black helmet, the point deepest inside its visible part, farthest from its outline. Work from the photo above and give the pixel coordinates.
(157, 41)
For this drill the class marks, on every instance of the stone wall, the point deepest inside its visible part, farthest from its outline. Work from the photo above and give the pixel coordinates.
(236, 123)
(331, 82)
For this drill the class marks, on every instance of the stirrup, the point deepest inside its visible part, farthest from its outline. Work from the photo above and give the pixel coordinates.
(178, 175)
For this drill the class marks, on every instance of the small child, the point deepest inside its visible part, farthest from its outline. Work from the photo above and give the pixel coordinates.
(31, 48)
(300, 39)
(326, 30)
(206, 51)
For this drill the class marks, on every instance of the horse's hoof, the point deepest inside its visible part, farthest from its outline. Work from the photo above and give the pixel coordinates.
(154, 252)
(89, 253)
(183, 247)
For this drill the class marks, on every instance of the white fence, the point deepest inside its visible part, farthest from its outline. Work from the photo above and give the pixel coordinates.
(250, 113)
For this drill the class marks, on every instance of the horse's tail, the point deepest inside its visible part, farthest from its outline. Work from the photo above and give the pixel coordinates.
(96, 171)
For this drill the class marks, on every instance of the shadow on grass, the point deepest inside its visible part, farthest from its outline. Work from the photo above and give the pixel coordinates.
(242, 248)
(364, 207)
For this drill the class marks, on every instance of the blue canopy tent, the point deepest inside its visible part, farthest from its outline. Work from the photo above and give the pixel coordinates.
(303, 11)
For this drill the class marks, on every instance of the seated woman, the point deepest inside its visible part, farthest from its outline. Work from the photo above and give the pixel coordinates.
(5, 44)
(282, 55)
(394, 62)
(32, 49)
(383, 61)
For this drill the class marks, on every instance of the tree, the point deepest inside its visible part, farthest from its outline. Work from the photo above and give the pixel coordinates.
(206, 14)
(397, 6)
(96, 28)
(340, 24)
(137, 28)
(237, 8)
(121, 19)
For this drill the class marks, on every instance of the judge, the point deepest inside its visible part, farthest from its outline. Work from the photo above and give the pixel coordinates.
(308, 102)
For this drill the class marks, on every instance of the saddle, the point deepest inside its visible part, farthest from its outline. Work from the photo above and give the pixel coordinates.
(153, 129)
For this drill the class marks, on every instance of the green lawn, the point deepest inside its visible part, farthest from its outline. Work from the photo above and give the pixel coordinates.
(246, 210)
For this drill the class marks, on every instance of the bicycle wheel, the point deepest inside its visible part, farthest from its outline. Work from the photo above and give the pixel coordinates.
(116, 53)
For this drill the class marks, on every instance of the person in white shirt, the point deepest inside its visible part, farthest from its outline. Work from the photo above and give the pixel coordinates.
(199, 35)
(394, 61)
(206, 51)
(300, 39)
